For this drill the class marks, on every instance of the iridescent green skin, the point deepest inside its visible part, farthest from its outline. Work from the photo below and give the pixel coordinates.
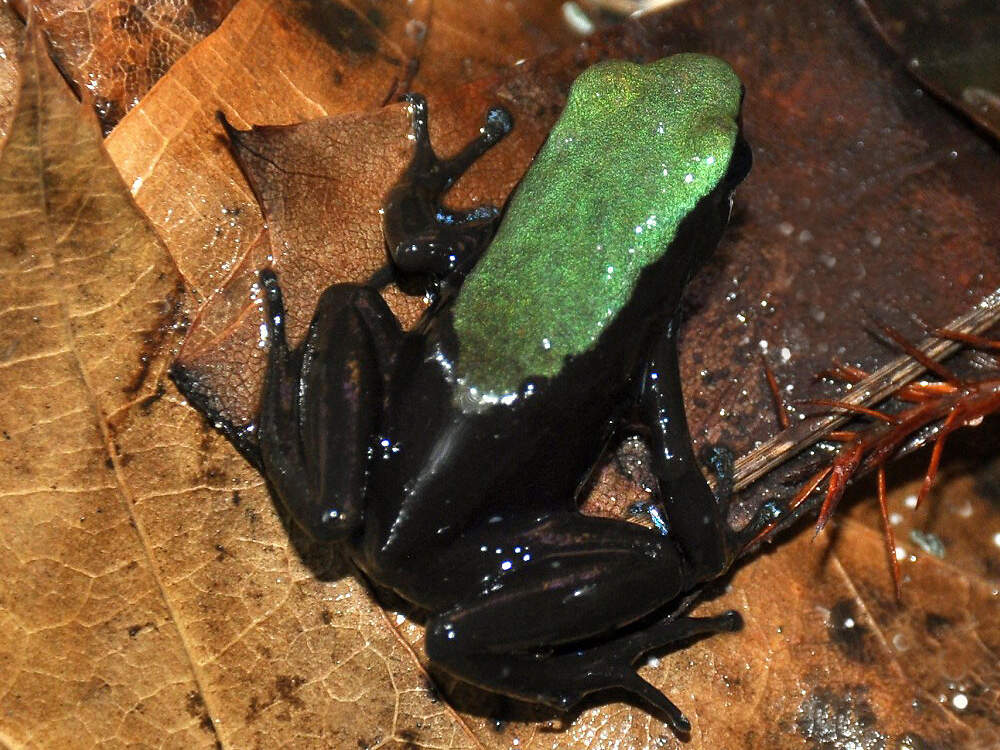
(636, 149)
(448, 460)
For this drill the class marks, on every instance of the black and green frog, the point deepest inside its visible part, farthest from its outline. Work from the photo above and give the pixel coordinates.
(449, 460)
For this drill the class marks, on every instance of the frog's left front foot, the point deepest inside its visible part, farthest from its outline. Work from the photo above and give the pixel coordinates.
(719, 459)
(424, 238)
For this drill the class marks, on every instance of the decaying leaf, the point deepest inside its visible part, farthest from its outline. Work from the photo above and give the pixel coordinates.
(11, 32)
(90, 650)
(951, 48)
(117, 49)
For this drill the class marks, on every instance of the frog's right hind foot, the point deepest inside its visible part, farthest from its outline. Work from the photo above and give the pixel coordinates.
(616, 658)
(563, 679)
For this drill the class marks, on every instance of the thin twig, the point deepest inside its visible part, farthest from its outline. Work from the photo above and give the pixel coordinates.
(881, 384)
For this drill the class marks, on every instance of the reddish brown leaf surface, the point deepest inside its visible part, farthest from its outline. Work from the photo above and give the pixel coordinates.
(291, 651)
(961, 65)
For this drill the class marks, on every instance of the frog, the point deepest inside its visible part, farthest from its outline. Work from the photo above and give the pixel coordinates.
(449, 460)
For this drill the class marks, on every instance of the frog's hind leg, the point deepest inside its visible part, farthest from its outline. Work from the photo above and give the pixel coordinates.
(321, 403)
(567, 614)
(424, 238)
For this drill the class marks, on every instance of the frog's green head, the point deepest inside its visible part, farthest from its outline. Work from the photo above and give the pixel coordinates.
(680, 114)
(638, 150)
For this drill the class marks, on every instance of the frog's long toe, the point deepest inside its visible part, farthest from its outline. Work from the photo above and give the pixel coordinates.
(624, 652)
(655, 701)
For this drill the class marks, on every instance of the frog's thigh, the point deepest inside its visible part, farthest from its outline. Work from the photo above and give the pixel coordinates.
(584, 581)
(587, 575)
(321, 405)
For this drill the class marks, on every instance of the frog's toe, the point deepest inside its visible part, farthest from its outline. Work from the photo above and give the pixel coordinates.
(730, 621)
(498, 123)
(719, 459)
(654, 700)
(763, 521)
(627, 681)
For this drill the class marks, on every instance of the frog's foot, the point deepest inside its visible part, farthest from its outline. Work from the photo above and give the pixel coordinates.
(610, 666)
(758, 528)
(719, 459)
(564, 678)
(424, 238)
(437, 174)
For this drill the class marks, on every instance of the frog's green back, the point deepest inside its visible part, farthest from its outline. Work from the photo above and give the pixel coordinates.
(634, 151)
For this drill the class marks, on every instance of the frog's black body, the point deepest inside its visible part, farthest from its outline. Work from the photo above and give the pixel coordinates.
(472, 514)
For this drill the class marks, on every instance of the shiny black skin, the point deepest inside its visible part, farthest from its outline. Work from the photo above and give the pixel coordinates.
(473, 515)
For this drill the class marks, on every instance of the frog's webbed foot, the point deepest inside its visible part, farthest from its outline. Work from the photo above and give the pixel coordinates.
(426, 240)
(321, 402)
(627, 650)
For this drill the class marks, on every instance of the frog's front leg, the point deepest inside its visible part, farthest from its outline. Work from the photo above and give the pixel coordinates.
(562, 609)
(425, 238)
(698, 518)
(321, 404)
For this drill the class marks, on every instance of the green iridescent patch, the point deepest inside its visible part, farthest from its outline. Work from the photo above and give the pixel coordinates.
(632, 154)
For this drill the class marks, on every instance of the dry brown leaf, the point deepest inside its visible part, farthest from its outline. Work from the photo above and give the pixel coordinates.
(11, 32)
(319, 187)
(89, 648)
(466, 41)
(149, 592)
(118, 49)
